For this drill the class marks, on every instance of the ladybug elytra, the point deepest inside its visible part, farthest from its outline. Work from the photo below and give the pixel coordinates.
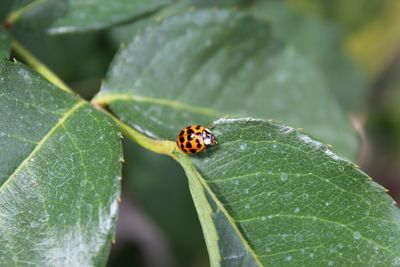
(194, 139)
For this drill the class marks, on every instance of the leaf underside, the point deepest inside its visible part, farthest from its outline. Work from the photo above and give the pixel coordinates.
(59, 174)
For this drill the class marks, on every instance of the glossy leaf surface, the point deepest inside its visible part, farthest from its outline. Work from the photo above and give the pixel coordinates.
(59, 174)
(83, 15)
(277, 197)
(199, 66)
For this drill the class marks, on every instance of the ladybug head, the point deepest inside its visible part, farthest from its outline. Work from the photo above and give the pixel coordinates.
(208, 137)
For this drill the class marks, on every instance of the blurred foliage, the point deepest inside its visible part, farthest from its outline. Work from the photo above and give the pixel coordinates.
(372, 28)
(350, 15)
(383, 129)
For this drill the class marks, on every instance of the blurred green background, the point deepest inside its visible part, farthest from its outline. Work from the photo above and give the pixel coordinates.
(158, 224)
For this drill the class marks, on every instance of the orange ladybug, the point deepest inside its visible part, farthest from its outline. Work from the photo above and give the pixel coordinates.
(194, 139)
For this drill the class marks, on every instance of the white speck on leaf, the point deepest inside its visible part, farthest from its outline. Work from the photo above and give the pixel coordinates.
(243, 146)
(284, 177)
(357, 235)
(25, 75)
(296, 210)
(331, 154)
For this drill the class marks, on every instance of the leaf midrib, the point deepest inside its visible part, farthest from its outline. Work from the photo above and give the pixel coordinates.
(43, 141)
(227, 215)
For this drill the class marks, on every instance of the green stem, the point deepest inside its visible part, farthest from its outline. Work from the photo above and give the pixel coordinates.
(158, 146)
(16, 14)
(39, 66)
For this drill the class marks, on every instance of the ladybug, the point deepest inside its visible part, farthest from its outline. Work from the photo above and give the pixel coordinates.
(194, 139)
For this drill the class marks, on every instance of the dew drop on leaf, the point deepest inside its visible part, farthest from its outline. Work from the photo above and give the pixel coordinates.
(357, 235)
(284, 177)
(243, 146)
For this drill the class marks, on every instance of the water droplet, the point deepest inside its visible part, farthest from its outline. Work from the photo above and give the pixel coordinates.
(311, 255)
(247, 206)
(243, 146)
(34, 224)
(263, 218)
(236, 181)
(25, 75)
(32, 159)
(274, 146)
(246, 191)
(284, 177)
(396, 261)
(357, 235)
(340, 245)
(44, 218)
(296, 210)
(83, 183)
(289, 258)
(331, 263)
(267, 249)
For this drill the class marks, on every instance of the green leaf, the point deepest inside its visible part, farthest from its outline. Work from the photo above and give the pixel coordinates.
(322, 42)
(199, 66)
(4, 44)
(59, 174)
(270, 195)
(82, 15)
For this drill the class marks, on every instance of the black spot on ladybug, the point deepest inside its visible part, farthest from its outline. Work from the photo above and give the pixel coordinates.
(193, 150)
(182, 133)
(198, 146)
(190, 137)
(181, 139)
(198, 141)
(190, 131)
(198, 127)
(189, 145)
(183, 147)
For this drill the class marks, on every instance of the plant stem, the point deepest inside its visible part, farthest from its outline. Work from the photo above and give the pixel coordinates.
(16, 14)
